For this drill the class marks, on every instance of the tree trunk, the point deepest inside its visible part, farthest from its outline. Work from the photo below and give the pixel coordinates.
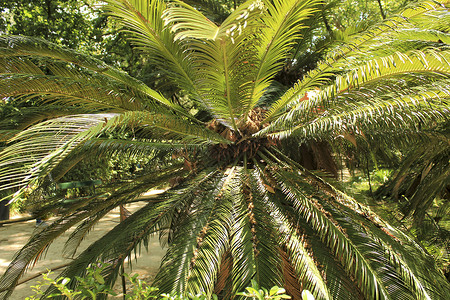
(4, 210)
(383, 14)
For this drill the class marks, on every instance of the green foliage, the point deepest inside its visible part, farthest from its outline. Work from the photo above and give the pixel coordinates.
(359, 183)
(248, 165)
(90, 286)
(139, 289)
(66, 22)
(259, 293)
(352, 12)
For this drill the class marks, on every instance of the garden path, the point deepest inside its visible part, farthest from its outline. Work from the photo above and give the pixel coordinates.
(14, 236)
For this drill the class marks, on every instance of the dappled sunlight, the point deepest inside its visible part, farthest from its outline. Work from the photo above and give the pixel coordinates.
(14, 236)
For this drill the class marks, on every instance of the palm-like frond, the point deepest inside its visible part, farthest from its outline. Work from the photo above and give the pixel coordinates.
(421, 176)
(19, 46)
(359, 262)
(179, 259)
(122, 193)
(37, 245)
(120, 246)
(146, 29)
(372, 93)
(235, 91)
(51, 141)
(371, 44)
(63, 135)
(283, 23)
(290, 236)
(91, 209)
(217, 49)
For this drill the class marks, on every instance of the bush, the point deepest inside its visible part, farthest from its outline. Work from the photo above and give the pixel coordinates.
(93, 284)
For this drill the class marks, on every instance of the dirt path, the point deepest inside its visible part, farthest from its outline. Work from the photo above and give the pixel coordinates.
(14, 236)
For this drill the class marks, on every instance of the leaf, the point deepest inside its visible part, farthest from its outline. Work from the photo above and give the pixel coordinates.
(99, 278)
(306, 295)
(269, 189)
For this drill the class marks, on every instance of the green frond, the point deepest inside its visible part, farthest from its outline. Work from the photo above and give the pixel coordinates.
(104, 146)
(17, 47)
(421, 176)
(377, 35)
(94, 207)
(43, 146)
(146, 29)
(400, 115)
(315, 265)
(121, 194)
(121, 241)
(212, 242)
(371, 279)
(188, 22)
(435, 20)
(163, 127)
(35, 151)
(283, 22)
(254, 248)
(374, 92)
(391, 252)
(28, 116)
(216, 82)
(37, 244)
(353, 53)
(290, 236)
(91, 96)
(5, 135)
(224, 70)
(395, 264)
(198, 221)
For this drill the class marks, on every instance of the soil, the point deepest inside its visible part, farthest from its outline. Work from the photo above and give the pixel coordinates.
(14, 236)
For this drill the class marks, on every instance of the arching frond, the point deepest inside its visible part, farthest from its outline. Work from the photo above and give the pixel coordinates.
(37, 245)
(187, 22)
(375, 92)
(122, 193)
(19, 46)
(91, 96)
(196, 221)
(146, 29)
(306, 272)
(256, 255)
(318, 214)
(283, 23)
(354, 53)
(28, 116)
(41, 147)
(421, 176)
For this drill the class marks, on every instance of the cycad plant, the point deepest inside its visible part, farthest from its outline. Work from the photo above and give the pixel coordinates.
(242, 205)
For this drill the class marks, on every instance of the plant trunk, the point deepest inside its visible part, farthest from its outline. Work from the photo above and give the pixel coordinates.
(383, 14)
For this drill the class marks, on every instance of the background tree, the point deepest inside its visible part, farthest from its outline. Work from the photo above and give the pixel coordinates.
(65, 22)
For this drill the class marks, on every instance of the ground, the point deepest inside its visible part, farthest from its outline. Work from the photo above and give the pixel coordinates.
(14, 236)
